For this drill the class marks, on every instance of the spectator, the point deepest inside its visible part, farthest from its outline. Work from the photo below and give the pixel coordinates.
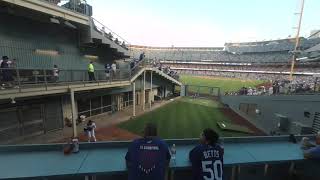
(114, 69)
(142, 56)
(91, 72)
(107, 71)
(1, 73)
(110, 36)
(132, 64)
(116, 41)
(313, 151)
(123, 44)
(148, 157)
(207, 158)
(55, 73)
(7, 73)
(90, 130)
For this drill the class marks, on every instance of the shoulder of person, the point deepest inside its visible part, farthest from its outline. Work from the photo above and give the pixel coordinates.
(137, 141)
(198, 147)
(159, 140)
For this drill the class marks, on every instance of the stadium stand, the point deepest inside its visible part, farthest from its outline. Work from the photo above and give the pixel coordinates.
(266, 60)
(40, 103)
(270, 46)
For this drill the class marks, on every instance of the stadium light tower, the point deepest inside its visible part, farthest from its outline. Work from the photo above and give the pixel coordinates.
(294, 57)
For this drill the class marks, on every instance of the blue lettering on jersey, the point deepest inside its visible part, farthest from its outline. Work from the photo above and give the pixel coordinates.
(207, 162)
(148, 158)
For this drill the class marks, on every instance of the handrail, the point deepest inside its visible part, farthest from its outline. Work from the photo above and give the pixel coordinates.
(238, 151)
(15, 78)
(103, 28)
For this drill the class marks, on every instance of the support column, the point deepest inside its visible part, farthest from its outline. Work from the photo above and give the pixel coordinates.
(151, 91)
(128, 102)
(90, 108)
(74, 114)
(118, 102)
(101, 104)
(134, 99)
(144, 92)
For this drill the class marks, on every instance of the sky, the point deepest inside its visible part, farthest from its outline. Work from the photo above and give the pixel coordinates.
(204, 23)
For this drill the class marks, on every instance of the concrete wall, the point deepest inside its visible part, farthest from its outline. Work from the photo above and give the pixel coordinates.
(291, 106)
(20, 37)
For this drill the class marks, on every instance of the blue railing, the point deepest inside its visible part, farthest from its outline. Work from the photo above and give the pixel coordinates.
(257, 157)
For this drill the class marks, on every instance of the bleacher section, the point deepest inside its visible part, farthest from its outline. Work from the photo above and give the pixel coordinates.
(177, 54)
(254, 52)
(270, 46)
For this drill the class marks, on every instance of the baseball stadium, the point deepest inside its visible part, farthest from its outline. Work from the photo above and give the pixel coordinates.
(75, 94)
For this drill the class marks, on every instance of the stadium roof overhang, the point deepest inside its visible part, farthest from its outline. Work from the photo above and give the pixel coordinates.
(49, 9)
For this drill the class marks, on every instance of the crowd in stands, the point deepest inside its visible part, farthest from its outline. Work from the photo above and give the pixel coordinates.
(270, 46)
(252, 52)
(300, 85)
(261, 68)
(215, 56)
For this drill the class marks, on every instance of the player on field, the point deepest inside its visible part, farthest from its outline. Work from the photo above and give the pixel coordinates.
(148, 157)
(207, 157)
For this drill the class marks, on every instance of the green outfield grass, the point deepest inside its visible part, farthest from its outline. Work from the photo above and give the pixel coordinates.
(183, 118)
(225, 84)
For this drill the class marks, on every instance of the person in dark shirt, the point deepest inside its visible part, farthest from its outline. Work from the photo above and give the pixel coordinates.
(7, 72)
(207, 157)
(142, 56)
(148, 157)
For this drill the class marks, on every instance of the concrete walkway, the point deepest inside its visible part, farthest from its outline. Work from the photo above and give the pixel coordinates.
(102, 121)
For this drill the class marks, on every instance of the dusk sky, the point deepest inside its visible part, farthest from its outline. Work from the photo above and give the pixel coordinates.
(204, 22)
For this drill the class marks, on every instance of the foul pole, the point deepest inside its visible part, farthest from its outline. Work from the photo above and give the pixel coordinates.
(294, 57)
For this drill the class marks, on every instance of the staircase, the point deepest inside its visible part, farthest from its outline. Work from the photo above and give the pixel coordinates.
(141, 67)
(164, 75)
(316, 123)
(100, 34)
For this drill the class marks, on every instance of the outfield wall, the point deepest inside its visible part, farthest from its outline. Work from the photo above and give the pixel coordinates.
(262, 110)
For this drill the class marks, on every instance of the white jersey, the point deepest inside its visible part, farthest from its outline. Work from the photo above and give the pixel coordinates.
(55, 72)
(114, 67)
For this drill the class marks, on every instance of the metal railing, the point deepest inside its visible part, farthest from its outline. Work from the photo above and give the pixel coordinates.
(14, 78)
(108, 33)
(104, 109)
(138, 65)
